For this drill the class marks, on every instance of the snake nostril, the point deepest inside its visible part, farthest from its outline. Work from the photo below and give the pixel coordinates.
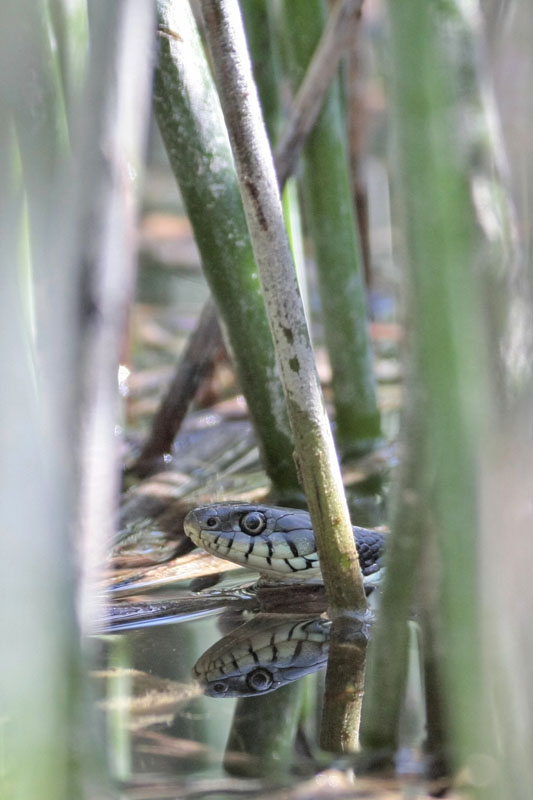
(211, 522)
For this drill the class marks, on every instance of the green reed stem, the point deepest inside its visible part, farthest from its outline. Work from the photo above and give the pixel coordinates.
(329, 204)
(443, 251)
(191, 122)
(317, 462)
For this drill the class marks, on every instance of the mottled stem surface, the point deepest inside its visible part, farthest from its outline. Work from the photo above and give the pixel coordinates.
(315, 451)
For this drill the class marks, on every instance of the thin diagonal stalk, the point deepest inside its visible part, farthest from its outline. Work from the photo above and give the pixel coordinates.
(315, 452)
(196, 364)
(191, 122)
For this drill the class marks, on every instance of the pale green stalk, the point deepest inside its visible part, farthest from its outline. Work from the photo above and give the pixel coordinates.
(443, 248)
(40, 688)
(71, 35)
(48, 741)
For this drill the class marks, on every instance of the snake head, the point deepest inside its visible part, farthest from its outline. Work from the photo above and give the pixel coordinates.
(278, 542)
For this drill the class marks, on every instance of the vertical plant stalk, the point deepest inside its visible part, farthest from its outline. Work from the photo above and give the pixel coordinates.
(41, 672)
(192, 125)
(266, 749)
(345, 680)
(109, 163)
(71, 34)
(437, 744)
(261, 37)
(265, 61)
(40, 669)
(444, 245)
(261, 32)
(38, 112)
(315, 452)
(357, 119)
(321, 72)
(386, 674)
(329, 204)
(500, 260)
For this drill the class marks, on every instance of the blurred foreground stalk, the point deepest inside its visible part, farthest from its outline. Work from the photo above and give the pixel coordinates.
(40, 664)
(508, 512)
(108, 171)
(61, 252)
(434, 73)
(70, 27)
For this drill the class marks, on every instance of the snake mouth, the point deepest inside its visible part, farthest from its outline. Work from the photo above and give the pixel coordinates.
(192, 527)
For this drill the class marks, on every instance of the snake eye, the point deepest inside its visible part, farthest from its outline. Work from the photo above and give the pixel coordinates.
(254, 522)
(211, 522)
(219, 687)
(259, 680)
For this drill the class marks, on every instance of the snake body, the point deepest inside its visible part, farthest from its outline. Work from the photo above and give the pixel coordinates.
(277, 542)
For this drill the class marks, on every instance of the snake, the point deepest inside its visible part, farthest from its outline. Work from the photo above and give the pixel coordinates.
(277, 542)
(264, 654)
